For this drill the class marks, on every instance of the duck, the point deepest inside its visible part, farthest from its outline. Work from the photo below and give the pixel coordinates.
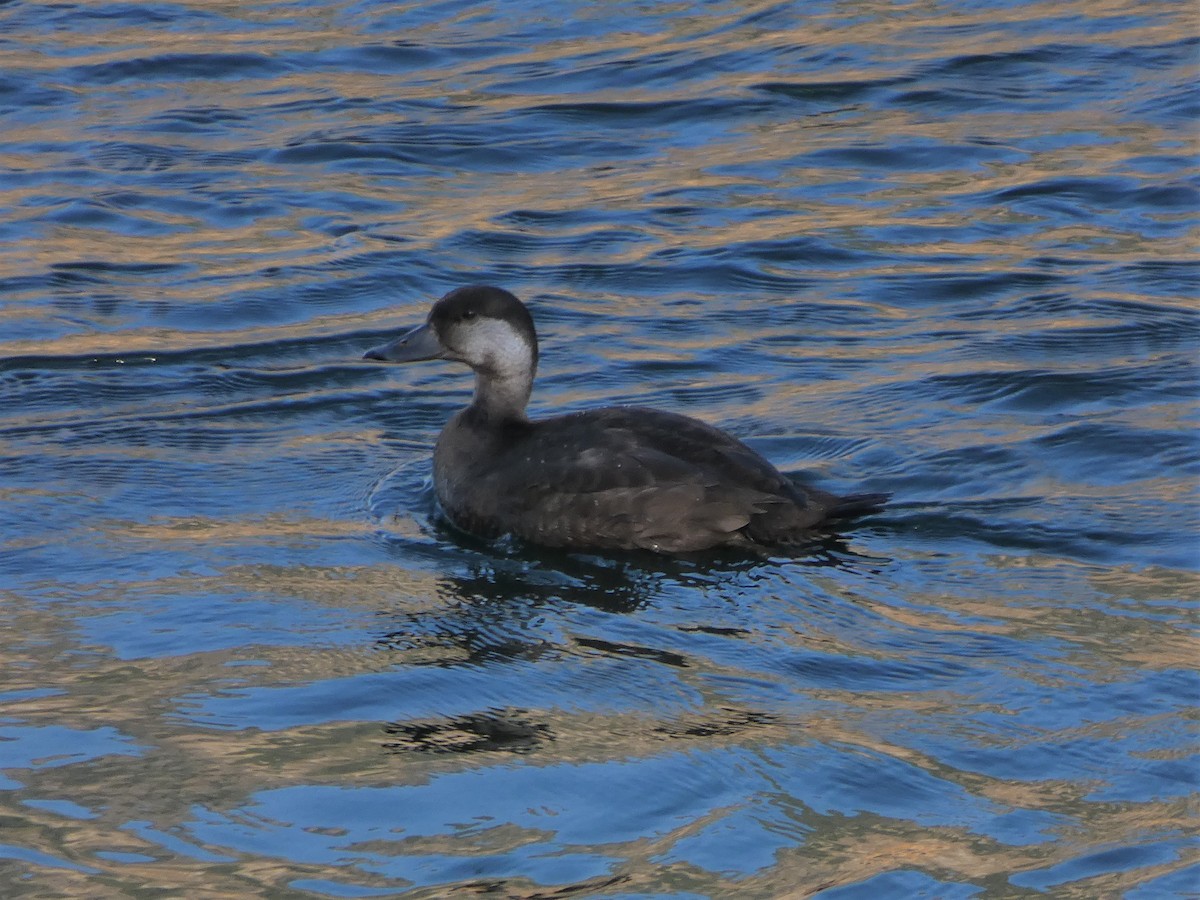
(619, 478)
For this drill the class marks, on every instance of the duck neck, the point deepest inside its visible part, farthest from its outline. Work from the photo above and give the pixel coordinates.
(502, 396)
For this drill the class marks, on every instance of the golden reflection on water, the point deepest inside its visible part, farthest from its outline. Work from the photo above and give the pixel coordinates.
(177, 759)
(226, 767)
(444, 206)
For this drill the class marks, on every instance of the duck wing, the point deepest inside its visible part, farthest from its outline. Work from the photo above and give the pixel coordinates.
(626, 478)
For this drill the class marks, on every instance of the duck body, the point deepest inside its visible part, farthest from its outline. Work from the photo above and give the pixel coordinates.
(618, 478)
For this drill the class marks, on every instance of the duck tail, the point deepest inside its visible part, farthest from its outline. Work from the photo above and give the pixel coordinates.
(853, 505)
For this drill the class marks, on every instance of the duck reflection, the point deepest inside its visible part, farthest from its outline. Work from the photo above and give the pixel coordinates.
(501, 604)
(508, 730)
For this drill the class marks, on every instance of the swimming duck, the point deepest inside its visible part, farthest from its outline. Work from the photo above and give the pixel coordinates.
(619, 478)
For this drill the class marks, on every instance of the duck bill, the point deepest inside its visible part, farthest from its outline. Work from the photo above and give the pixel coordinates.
(420, 343)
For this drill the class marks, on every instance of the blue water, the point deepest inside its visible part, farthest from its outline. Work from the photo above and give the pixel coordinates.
(945, 250)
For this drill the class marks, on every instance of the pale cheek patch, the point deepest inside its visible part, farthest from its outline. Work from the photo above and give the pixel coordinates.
(496, 346)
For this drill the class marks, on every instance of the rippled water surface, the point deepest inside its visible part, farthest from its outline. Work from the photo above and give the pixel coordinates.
(942, 249)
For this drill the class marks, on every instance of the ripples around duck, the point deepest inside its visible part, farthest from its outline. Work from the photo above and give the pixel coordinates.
(943, 250)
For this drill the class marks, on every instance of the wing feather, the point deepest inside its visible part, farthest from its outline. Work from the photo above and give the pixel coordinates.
(629, 478)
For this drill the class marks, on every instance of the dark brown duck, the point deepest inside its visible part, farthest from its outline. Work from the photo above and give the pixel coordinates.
(620, 478)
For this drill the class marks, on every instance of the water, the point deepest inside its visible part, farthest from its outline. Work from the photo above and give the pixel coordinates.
(940, 249)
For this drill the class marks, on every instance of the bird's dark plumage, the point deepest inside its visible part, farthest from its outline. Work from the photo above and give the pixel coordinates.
(607, 479)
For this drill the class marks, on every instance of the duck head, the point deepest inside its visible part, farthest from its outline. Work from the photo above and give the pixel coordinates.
(488, 329)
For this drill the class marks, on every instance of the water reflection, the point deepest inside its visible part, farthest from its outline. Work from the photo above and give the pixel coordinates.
(508, 730)
(939, 249)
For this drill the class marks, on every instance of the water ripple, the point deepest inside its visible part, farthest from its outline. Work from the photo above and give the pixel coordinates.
(945, 251)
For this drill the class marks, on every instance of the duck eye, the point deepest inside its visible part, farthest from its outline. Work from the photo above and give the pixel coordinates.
(468, 314)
